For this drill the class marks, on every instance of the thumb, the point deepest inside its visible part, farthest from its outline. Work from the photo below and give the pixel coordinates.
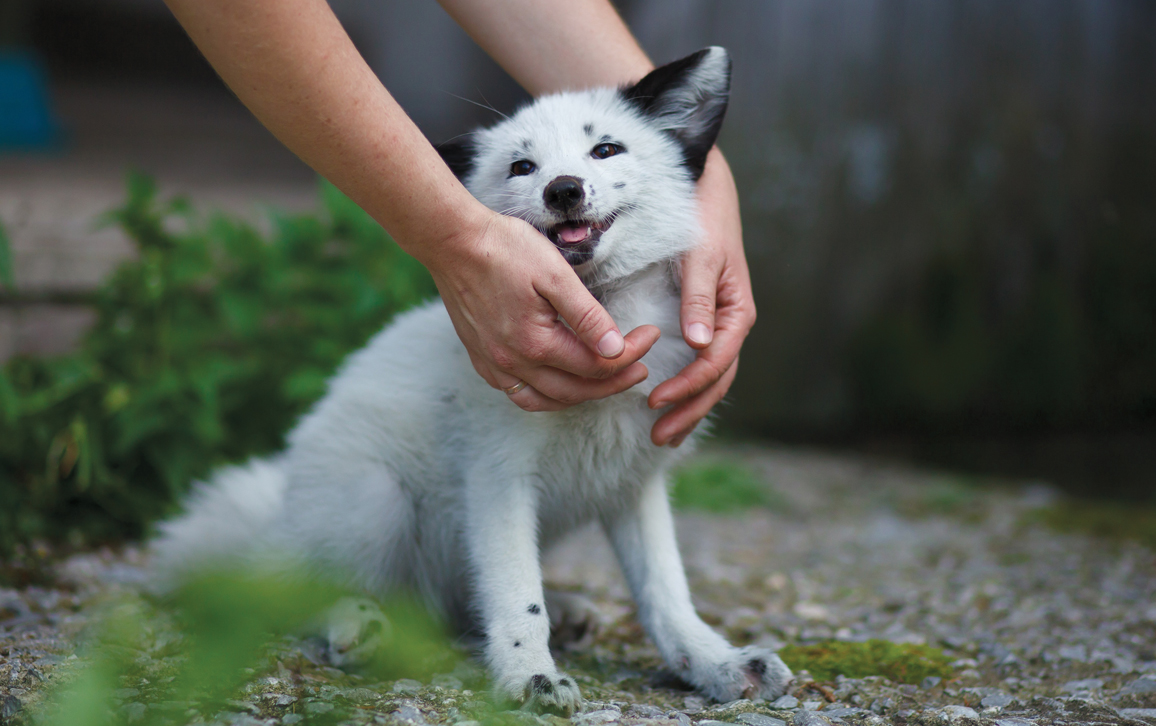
(699, 290)
(585, 315)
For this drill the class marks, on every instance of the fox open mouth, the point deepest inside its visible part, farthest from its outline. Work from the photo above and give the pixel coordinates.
(576, 239)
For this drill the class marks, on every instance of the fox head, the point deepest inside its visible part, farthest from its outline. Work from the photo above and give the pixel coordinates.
(608, 174)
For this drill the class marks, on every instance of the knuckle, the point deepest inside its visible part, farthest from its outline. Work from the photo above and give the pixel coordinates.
(699, 302)
(501, 356)
(588, 322)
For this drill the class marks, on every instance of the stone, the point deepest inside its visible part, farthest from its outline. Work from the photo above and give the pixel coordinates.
(1148, 714)
(9, 707)
(1014, 722)
(930, 682)
(410, 714)
(785, 702)
(812, 705)
(682, 718)
(711, 722)
(758, 719)
(645, 710)
(1088, 684)
(291, 718)
(811, 718)
(996, 700)
(1143, 684)
(954, 714)
(592, 718)
(840, 712)
(134, 712)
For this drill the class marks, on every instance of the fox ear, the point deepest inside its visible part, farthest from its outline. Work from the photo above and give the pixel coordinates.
(458, 154)
(688, 99)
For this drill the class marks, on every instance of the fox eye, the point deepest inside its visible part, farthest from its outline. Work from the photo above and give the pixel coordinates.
(522, 167)
(605, 151)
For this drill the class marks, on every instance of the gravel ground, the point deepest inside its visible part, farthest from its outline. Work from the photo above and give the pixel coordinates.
(1044, 628)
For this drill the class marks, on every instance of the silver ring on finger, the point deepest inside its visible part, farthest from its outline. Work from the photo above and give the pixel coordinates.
(514, 388)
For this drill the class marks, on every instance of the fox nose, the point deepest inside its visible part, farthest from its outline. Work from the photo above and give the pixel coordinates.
(564, 194)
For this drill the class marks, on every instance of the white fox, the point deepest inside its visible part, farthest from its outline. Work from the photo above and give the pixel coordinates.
(413, 473)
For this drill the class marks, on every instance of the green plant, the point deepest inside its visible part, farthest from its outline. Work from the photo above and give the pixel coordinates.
(219, 632)
(720, 486)
(899, 662)
(205, 349)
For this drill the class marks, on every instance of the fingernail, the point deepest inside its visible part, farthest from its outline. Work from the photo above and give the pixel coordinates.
(698, 333)
(611, 345)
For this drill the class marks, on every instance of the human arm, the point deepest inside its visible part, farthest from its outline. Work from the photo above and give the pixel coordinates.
(292, 64)
(593, 47)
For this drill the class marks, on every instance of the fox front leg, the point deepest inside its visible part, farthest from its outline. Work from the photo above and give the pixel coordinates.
(502, 538)
(644, 540)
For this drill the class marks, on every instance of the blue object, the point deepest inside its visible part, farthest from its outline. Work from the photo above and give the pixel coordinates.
(26, 121)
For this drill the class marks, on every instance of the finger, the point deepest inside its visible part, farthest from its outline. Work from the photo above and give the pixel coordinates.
(700, 281)
(710, 365)
(569, 389)
(585, 315)
(679, 422)
(567, 353)
(529, 399)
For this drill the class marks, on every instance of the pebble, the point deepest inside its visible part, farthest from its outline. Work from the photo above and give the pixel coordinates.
(785, 703)
(758, 719)
(811, 718)
(291, 718)
(409, 714)
(606, 715)
(996, 700)
(1088, 684)
(930, 682)
(958, 713)
(1143, 684)
(1144, 713)
(9, 707)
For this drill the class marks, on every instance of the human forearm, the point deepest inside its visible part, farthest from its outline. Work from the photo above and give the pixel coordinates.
(546, 50)
(292, 64)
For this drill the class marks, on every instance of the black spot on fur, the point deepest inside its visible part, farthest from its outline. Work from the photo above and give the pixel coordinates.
(534, 609)
(458, 154)
(619, 185)
(563, 681)
(362, 607)
(541, 684)
(517, 644)
(589, 129)
(757, 668)
(657, 94)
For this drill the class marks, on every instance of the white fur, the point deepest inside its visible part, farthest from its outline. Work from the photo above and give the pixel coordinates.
(413, 473)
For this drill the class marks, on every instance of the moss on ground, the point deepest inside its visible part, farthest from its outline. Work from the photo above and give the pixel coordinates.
(717, 485)
(1111, 520)
(899, 662)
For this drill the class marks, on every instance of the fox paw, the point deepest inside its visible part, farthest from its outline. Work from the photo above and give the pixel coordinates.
(750, 672)
(554, 693)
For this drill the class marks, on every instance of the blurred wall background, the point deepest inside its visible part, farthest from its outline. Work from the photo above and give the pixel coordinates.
(950, 205)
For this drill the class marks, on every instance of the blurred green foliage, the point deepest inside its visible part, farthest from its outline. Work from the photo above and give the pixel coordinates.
(206, 348)
(721, 486)
(200, 645)
(899, 662)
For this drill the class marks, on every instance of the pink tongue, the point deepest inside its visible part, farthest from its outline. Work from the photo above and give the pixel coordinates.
(572, 234)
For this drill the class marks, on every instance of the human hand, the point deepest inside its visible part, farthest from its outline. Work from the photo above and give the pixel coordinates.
(718, 309)
(505, 286)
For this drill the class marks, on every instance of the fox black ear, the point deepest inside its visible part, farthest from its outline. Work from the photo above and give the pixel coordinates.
(688, 98)
(458, 154)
